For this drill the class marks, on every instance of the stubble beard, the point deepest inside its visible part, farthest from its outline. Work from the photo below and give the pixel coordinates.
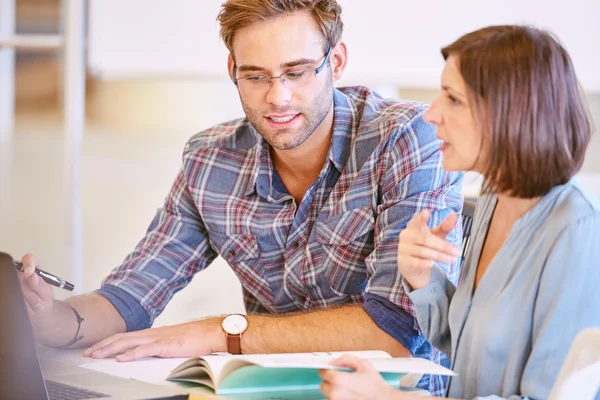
(312, 117)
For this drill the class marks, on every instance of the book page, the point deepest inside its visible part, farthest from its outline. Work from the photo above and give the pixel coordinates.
(290, 360)
(216, 367)
(316, 357)
(404, 365)
(207, 370)
(309, 360)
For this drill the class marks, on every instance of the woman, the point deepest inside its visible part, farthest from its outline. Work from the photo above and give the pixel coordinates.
(511, 109)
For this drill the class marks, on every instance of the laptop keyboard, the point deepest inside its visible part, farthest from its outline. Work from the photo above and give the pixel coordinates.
(60, 391)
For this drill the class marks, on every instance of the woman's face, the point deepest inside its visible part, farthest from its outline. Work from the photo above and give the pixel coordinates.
(456, 122)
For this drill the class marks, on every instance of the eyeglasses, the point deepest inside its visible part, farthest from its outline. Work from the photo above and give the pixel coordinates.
(291, 79)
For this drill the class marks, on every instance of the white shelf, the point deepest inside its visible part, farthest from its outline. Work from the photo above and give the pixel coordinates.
(32, 41)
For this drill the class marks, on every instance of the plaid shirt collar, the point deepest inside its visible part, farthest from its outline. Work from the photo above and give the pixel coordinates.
(344, 132)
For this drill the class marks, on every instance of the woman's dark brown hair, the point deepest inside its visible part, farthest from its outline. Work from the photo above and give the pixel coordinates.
(535, 122)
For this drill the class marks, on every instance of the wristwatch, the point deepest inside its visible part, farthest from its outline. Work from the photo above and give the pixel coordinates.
(233, 326)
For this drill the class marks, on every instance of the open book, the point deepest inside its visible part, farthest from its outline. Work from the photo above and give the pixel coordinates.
(237, 374)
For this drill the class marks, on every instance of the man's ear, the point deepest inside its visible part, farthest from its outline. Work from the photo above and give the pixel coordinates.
(338, 59)
(230, 64)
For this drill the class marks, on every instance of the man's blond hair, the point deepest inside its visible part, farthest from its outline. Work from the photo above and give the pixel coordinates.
(238, 14)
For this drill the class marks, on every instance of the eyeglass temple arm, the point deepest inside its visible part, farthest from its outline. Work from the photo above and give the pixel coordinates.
(235, 81)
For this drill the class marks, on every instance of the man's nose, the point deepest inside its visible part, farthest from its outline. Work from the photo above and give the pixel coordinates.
(278, 93)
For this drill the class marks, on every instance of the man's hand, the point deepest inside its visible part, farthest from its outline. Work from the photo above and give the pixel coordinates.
(195, 338)
(364, 383)
(419, 247)
(41, 306)
(39, 296)
(53, 321)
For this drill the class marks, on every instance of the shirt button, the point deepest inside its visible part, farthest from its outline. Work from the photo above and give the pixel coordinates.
(301, 299)
(231, 253)
(295, 245)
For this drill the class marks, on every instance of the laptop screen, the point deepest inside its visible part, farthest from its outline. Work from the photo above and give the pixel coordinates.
(20, 373)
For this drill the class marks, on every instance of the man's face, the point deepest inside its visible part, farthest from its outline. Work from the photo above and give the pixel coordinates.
(285, 117)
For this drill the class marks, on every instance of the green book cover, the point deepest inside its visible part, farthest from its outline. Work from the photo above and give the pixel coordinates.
(262, 373)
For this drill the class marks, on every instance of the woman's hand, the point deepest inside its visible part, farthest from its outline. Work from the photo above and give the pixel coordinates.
(419, 247)
(364, 383)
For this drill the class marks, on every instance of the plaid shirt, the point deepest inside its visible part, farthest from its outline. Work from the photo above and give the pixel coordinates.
(337, 246)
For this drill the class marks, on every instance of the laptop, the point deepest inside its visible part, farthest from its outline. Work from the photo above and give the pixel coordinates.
(21, 375)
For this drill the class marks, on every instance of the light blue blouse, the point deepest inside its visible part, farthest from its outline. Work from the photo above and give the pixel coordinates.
(510, 339)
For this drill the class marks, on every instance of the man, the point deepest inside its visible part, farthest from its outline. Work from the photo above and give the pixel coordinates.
(304, 198)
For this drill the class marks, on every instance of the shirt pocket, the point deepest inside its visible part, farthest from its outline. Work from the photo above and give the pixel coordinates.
(347, 240)
(235, 248)
(242, 254)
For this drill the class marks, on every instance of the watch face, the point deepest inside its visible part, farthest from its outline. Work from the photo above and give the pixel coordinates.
(235, 324)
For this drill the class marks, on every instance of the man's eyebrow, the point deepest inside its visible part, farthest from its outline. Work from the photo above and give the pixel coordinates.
(301, 61)
(243, 68)
(295, 63)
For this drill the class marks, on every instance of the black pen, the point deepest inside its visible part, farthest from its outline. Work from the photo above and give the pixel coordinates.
(48, 277)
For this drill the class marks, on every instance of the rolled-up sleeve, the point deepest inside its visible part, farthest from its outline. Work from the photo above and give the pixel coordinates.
(414, 181)
(174, 249)
(135, 316)
(392, 319)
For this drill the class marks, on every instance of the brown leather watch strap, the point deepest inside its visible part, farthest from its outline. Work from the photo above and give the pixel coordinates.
(234, 344)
